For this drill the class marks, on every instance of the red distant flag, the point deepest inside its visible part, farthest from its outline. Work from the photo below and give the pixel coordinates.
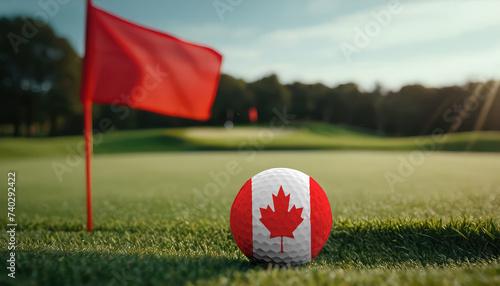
(252, 114)
(126, 64)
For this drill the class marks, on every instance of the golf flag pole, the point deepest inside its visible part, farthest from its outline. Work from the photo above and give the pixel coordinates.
(88, 157)
(87, 117)
(126, 64)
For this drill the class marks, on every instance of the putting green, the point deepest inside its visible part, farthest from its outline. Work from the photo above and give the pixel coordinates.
(157, 222)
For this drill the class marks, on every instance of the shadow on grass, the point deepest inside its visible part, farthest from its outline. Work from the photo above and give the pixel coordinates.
(482, 145)
(156, 143)
(92, 268)
(429, 242)
(352, 244)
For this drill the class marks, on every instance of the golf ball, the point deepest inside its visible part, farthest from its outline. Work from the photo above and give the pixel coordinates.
(281, 216)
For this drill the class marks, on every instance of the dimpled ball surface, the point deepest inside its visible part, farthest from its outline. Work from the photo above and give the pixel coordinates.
(241, 219)
(253, 237)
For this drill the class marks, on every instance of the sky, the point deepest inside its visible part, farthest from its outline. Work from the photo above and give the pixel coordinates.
(387, 42)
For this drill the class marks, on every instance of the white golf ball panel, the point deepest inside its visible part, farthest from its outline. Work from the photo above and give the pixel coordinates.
(296, 250)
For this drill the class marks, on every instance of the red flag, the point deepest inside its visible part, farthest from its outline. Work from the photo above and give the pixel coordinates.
(127, 64)
(252, 114)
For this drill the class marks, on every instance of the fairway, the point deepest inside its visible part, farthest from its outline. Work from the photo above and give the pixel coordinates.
(249, 143)
(157, 222)
(250, 138)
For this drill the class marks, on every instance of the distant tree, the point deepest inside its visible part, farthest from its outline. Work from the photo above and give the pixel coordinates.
(440, 108)
(404, 113)
(346, 104)
(145, 120)
(299, 99)
(269, 94)
(318, 92)
(233, 97)
(39, 77)
(123, 117)
(493, 114)
(305, 100)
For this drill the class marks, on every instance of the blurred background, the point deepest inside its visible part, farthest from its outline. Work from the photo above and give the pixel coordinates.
(392, 68)
(353, 93)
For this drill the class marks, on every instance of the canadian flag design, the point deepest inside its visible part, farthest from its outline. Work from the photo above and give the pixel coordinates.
(281, 216)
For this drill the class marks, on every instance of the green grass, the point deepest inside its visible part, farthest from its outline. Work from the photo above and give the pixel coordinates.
(155, 224)
(296, 136)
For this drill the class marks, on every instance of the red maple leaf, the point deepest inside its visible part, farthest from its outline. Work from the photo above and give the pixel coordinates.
(281, 222)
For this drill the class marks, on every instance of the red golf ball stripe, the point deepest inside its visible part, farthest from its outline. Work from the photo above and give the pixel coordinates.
(284, 206)
(321, 218)
(241, 219)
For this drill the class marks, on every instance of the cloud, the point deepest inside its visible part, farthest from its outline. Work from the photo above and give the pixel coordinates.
(240, 53)
(321, 6)
(418, 22)
(431, 69)
(430, 21)
(424, 36)
(215, 31)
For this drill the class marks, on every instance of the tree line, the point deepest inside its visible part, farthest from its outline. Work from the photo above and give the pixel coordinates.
(40, 83)
(413, 110)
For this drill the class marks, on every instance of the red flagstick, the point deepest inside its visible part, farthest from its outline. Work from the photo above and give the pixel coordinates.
(138, 62)
(87, 117)
(88, 150)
